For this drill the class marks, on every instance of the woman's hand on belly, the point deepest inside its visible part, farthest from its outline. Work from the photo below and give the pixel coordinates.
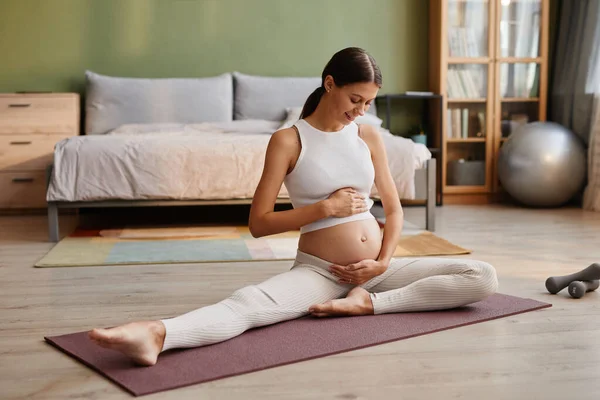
(358, 273)
(345, 202)
(344, 244)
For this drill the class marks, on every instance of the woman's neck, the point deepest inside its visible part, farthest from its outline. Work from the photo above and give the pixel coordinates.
(323, 120)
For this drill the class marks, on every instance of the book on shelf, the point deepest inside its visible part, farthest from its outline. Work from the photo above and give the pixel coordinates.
(464, 123)
(466, 82)
(462, 42)
(467, 32)
(521, 39)
(467, 38)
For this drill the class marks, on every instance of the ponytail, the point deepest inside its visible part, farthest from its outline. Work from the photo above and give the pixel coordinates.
(349, 65)
(312, 102)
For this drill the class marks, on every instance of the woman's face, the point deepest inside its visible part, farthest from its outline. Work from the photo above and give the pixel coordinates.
(350, 101)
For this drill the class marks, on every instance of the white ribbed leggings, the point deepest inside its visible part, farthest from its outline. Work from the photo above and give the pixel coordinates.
(408, 285)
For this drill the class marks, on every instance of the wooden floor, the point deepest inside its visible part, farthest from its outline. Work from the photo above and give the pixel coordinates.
(548, 354)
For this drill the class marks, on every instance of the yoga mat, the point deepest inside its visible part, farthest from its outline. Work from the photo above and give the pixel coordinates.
(279, 344)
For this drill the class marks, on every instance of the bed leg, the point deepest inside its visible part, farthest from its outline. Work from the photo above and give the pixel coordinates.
(53, 229)
(431, 195)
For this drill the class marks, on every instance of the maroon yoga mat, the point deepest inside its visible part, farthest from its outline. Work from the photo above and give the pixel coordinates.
(279, 344)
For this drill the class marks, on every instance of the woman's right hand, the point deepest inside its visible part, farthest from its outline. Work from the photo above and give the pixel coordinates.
(345, 202)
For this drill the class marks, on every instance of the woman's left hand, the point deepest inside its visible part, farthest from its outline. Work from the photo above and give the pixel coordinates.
(358, 273)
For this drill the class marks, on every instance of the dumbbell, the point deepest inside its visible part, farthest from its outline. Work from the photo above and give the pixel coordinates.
(555, 284)
(578, 288)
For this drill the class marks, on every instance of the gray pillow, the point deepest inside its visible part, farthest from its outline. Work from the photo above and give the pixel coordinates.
(264, 97)
(115, 101)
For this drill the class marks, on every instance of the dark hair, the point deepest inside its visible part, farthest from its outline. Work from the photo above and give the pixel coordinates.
(350, 65)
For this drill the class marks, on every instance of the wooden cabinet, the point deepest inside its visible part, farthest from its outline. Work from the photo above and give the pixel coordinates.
(490, 60)
(30, 126)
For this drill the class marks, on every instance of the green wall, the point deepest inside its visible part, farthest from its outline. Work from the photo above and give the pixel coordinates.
(46, 45)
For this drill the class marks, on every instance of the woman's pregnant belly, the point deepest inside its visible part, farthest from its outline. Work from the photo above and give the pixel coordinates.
(344, 244)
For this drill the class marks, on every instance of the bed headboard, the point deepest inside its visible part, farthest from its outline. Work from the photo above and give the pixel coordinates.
(114, 101)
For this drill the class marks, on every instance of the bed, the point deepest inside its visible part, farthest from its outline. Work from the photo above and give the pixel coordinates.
(184, 141)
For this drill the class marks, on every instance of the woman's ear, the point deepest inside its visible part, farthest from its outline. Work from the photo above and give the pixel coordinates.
(329, 83)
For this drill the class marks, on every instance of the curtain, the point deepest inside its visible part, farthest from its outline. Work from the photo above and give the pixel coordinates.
(591, 196)
(575, 78)
(575, 95)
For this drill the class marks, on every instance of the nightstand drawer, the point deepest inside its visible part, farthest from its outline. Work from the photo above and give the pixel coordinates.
(23, 189)
(27, 152)
(39, 113)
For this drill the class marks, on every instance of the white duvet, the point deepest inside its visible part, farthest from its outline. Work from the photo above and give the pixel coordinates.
(188, 162)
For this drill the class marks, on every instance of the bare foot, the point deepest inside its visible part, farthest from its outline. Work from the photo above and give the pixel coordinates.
(357, 302)
(141, 341)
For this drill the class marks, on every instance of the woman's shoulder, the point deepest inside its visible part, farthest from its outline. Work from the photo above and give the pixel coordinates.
(284, 139)
(368, 132)
(371, 136)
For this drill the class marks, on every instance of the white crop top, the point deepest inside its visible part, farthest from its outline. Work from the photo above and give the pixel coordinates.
(330, 161)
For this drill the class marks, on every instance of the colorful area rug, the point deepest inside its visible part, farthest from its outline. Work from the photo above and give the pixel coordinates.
(169, 245)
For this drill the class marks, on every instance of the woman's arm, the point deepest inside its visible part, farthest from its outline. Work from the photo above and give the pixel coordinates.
(264, 220)
(394, 216)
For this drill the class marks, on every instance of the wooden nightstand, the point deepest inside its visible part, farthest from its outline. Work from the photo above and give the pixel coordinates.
(30, 126)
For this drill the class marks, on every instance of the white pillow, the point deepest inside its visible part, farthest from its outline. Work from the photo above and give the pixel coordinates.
(293, 115)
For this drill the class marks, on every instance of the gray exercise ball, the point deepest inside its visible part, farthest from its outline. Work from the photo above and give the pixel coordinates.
(542, 164)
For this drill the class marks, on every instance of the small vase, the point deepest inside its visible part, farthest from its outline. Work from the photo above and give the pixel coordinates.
(419, 139)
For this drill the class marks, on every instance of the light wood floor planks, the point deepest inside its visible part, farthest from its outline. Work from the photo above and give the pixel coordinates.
(548, 354)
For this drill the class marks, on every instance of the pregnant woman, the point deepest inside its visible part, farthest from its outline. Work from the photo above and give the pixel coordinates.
(344, 265)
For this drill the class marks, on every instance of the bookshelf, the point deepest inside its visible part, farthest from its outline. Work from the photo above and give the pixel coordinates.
(489, 60)
(434, 101)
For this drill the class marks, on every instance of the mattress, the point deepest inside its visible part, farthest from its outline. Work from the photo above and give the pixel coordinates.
(208, 161)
